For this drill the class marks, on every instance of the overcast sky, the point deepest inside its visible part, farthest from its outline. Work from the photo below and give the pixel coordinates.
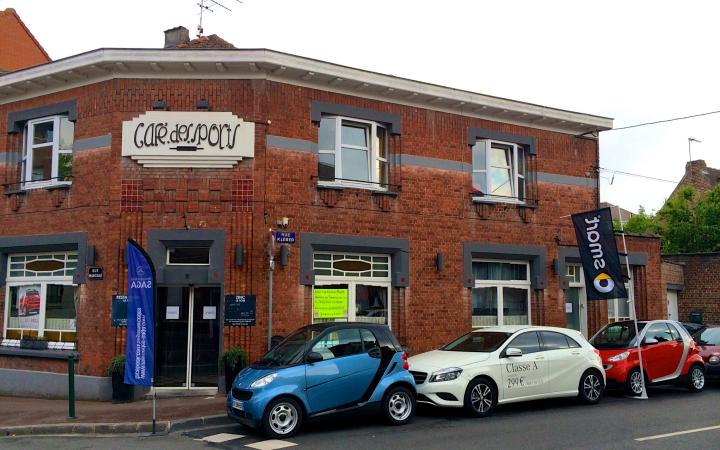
(634, 61)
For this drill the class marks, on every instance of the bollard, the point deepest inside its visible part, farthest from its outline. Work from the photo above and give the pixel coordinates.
(71, 387)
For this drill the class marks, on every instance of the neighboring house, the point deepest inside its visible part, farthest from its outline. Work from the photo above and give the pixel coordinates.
(18, 46)
(617, 212)
(699, 176)
(196, 154)
(699, 293)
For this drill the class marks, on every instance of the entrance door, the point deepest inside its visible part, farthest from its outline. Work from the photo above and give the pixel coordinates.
(575, 300)
(672, 305)
(187, 337)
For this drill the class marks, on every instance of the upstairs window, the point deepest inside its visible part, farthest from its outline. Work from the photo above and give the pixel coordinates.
(47, 151)
(498, 171)
(352, 152)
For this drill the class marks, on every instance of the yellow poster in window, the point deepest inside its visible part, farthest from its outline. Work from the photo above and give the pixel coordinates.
(330, 303)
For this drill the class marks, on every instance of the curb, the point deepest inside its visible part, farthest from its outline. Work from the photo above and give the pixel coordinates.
(161, 426)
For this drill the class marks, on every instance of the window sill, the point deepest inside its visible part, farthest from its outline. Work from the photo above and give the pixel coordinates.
(47, 354)
(491, 200)
(23, 188)
(339, 186)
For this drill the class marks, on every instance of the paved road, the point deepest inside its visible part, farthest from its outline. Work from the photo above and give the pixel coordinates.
(614, 424)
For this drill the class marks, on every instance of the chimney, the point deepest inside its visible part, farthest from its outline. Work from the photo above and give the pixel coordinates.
(175, 36)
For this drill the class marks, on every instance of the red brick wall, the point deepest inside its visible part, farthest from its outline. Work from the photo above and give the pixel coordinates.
(702, 286)
(113, 198)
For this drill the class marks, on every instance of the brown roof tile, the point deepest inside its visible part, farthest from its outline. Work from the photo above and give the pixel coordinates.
(212, 41)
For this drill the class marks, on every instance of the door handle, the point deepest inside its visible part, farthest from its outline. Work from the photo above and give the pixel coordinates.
(539, 358)
(575, 353)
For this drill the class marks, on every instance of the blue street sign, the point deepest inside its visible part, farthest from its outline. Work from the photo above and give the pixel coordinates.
(285, 237)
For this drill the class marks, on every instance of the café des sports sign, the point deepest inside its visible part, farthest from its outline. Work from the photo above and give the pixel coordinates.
(188, 139)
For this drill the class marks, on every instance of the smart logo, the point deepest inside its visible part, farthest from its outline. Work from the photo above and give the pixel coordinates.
(603, 283)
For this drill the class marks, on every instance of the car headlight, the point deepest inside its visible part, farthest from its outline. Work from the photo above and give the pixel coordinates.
(619, 357)
(448, 374)
(264, 381)
(714, 359)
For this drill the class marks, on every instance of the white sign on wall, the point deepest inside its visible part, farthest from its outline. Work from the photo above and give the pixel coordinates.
(188, 139)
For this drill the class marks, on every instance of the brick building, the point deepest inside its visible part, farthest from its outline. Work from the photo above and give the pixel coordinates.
(428, 208)
(694, 283)
(18, 46)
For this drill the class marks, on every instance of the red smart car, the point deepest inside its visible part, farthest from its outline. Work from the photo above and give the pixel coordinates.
(29, 303)
(669, 355)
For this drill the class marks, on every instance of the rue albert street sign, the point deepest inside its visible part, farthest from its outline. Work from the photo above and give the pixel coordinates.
(188, 139)
(240, 310)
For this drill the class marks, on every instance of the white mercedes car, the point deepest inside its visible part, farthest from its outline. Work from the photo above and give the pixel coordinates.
(507, 364)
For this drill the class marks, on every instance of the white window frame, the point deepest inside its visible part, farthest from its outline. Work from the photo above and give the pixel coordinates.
(374, 154)
(515, 176)
(167, 257)
(352, 282)
(28, 147)
(582, 297)
(43, 282)
(500, 284)
(616, 301)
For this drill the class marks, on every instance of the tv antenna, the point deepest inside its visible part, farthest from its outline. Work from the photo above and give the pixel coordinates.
(209, 5)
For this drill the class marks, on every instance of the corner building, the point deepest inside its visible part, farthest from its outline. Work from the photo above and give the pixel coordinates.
(431, 209)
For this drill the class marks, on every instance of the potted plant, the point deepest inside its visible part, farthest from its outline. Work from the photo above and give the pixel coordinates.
(34, 342)
(121, 392)
(233, 361)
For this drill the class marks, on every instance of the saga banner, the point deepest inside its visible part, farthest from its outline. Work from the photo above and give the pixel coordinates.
(599, 255)
(139, 349)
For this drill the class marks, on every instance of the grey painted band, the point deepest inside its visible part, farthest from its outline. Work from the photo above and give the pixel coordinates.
(299, 145)
(92, 143)
(31, 383)
(319, 108)
(528, 142)
(10, 157)
(45, 243)
(17, 119)
(567, 179)
(431, 163)
(160, 240)
(674, 287)
(536, 255)
(398, 249)
(568, 255)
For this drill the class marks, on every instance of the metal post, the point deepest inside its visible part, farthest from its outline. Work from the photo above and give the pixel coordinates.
(643, 395)
(154, 400)
(270, 287)
(71, 387)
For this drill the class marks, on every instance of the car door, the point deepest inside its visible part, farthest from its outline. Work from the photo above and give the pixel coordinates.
(565, 362)
(676, 349)
(344, 374)
(657, 355)
(526, 375)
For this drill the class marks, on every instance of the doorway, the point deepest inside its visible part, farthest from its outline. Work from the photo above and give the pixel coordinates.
(672, 305)
(188, 337)
(576, 300)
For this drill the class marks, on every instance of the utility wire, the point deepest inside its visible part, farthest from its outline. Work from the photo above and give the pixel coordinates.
(619, 172)
(661, 121)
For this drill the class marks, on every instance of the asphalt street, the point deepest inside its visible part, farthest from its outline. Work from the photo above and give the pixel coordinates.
(617, 423)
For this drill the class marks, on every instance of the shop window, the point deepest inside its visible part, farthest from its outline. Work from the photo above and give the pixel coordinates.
(47, 152)
(41, 299)
(188, 256)
(619, 308)
(501, 294)
(352, 152)
(498, 172)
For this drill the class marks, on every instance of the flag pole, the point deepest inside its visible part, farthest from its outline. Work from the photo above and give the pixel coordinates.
(643, 395)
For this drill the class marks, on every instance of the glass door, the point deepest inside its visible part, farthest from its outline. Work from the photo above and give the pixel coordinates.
(205, 337)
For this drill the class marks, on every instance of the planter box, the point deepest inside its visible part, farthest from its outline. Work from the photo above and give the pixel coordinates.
(121, 392)
(33, 344)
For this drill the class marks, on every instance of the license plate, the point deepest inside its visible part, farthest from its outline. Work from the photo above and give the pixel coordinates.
(238, 404)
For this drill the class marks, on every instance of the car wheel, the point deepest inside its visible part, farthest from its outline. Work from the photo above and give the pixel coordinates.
(282, 418)
(696, 378)
(398, 405)
(634, 383)
(591, 387)
(480, 397)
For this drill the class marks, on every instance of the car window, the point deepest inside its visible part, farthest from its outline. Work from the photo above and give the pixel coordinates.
(478, 341)
(344, 342)
(616, 335)
(709, 336)
(369, 339)
(553, 340)
(660, 332)
(527, 342)
(675, 333)
(572, 343)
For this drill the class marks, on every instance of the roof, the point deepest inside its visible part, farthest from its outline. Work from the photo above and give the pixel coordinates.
(212, 41)
(230, 63)
(18, 46)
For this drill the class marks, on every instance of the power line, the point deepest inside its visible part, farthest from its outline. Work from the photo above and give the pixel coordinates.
(662, 121)
(635, 175)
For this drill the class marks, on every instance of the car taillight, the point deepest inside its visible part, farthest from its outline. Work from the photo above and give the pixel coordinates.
(406, 366)
(597, 352)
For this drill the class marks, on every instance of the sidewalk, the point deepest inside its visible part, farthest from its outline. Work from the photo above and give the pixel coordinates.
(23, 415)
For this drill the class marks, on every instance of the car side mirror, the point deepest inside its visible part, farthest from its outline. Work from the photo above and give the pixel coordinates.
(513, 352)
(314, 357)
(650, 341)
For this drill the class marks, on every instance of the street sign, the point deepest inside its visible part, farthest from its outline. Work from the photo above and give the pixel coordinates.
(96, 273)
(240, 310)
(118, 316)
(285, 237)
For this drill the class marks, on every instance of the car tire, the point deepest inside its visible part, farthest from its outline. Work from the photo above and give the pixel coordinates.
(696, 378)
(633, 387)
(398, 405)
(480, 397)
(591, 387)
(282, 418)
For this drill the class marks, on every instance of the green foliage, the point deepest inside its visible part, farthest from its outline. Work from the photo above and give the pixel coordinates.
(234, 357)
(116, 366)
(642, 223)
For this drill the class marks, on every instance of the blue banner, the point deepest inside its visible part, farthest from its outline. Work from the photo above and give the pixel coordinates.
(139, 349)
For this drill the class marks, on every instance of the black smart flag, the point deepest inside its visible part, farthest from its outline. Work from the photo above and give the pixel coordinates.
(599, 255)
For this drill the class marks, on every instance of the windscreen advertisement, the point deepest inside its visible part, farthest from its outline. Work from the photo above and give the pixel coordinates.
(599, 255)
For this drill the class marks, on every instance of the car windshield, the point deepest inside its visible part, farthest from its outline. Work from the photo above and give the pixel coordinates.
(478, 341)
(616, 335)
(290, 351)
(709, 336)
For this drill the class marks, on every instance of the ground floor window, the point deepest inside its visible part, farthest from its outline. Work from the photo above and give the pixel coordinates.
(351, 287)
(41, 299)
(501, 294)
(620, 308)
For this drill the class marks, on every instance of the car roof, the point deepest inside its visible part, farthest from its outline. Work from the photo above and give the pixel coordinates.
(516, 328)
(339, 325)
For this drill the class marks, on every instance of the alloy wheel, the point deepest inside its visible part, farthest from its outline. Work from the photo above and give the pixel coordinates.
(400, 406)
(698, 378)
(481, 398)
(636, 382)
(591, 387)
(283, 418)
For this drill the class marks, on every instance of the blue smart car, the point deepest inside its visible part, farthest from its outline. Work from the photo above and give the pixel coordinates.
(324, 369)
